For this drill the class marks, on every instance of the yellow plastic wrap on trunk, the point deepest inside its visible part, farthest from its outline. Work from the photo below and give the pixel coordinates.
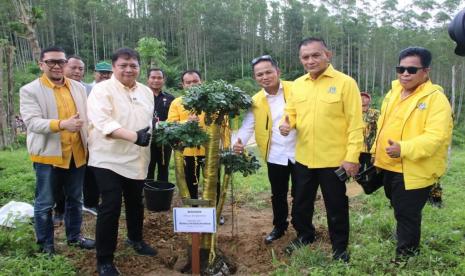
(212, 161)
(180, 176)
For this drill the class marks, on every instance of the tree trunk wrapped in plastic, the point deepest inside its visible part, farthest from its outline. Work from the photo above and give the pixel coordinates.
(179, 136)
(183, 190)
(219, 101)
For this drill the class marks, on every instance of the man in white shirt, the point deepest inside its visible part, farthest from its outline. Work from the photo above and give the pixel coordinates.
(278, 151)
(120, 114)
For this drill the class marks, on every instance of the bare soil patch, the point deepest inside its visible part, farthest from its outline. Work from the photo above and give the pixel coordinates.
(241, 239)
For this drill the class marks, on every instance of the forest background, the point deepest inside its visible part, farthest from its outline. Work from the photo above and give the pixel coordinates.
(220, 38)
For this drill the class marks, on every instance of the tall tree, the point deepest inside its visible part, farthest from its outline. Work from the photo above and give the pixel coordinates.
(28, 16)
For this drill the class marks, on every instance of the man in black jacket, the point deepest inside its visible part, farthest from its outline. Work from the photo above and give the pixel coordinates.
(159, 154)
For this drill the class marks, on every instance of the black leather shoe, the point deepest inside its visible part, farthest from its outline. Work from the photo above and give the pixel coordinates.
(83, 243)
(297, 243)
(107, 270)
(274, 235)
(142, 248)
(341, 256)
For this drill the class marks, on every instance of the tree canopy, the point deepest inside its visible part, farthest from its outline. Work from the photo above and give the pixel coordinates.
(219, 38)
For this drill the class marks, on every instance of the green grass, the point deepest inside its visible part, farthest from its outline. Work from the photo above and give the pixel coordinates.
(371, 242)
(17, 245)
(372, 245)
(17, 177)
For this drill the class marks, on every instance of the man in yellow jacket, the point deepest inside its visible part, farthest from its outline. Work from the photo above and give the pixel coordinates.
(278, 151)
(326, 111)
(414, 132)
(192, 156)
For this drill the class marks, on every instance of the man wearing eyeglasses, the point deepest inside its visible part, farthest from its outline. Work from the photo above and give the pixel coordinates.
(414, 132)
(326, 111)
(53, 108)
(278, 151)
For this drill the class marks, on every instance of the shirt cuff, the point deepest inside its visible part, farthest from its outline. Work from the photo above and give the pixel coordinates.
(55, 125)
(110, 127)
(352, 157)
(403, 148)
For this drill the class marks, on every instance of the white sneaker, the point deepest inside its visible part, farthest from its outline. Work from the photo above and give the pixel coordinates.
(90, 210)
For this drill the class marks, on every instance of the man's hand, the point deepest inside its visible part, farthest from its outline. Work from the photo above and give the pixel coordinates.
(143, 137)
(285, 127)
(72, 124)
(193, 117)
(238, 146)
(350, 168)
(393, 150)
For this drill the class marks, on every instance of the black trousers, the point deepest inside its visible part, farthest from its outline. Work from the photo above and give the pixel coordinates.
(192, 165)
(279, 175)
(407, 205)
(113, 187)
(159, 157)
(90, 190)
(335, 199)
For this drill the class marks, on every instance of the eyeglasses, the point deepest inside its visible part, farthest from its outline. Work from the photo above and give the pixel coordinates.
(52, 62)
(262, 58)
(410, 69)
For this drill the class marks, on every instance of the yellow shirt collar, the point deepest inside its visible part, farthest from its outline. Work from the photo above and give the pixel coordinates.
(425, 87)
(47, 82)
(329, 72)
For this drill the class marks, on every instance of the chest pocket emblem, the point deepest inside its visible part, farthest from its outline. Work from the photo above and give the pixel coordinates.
(422, 106)
(332, 90)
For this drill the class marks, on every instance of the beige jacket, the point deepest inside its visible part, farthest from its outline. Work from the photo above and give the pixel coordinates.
(38, 108)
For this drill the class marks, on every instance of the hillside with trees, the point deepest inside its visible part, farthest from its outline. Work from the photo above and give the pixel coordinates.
(221, 37)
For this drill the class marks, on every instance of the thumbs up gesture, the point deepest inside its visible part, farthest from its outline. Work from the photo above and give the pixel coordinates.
(238, 147)
(393, 150)
(72, 124)
(285, 126)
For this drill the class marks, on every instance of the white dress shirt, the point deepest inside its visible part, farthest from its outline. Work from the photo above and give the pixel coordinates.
(282, 148)
(111, 106)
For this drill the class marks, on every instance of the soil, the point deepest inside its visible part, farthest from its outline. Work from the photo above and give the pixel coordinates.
(240, 239)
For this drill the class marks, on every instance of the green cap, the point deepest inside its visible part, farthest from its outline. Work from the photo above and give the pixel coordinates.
(103, 66)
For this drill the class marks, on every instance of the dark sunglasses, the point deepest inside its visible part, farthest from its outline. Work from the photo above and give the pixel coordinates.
(52, 62)
(262, 58)
(410, 69)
